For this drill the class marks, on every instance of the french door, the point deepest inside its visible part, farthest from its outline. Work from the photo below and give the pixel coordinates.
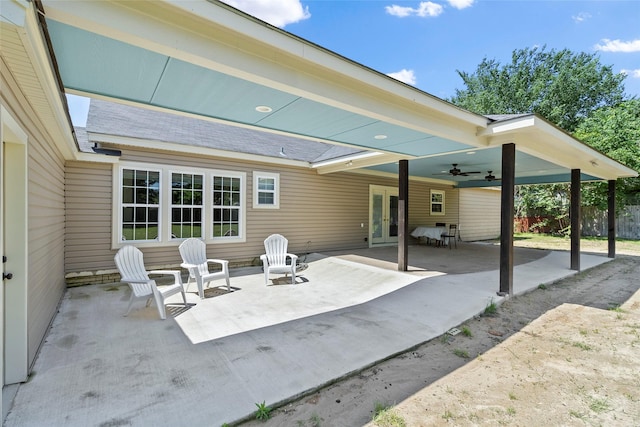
(383, 212)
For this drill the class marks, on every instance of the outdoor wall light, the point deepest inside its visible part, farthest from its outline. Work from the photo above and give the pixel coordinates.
(263, 109)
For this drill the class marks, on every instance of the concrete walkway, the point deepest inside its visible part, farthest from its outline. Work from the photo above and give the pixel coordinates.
(211, 363)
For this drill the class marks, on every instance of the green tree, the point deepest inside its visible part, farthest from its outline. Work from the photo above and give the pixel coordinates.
(562, 86)
(614, 130)
(567, 89)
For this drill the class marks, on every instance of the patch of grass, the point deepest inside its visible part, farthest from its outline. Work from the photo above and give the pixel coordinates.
(512, 396)
(461, 353)
(384, 416)
(599, 405)
(582, 346)
(466, 331)
(511, 411)
(491, 308)
(577, 415)
(315, 420)
(543, 287)
(448, 415)
(264, 412)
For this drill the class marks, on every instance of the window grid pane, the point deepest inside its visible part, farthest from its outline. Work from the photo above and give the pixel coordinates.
(186, 205)
(140, 204)
(266, 191)
(226, 206)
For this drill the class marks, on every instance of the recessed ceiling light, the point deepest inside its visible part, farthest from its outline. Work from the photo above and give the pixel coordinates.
(380, 137)
(471, 152)
(263, 109)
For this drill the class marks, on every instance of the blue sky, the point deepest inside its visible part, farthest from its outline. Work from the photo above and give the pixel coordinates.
(425, 43)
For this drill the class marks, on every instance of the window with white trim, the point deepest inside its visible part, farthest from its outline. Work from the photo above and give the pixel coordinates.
(186, 205)
(140, 204)
(437, 202)
(163, 205)
(226, 205)
(266, 190)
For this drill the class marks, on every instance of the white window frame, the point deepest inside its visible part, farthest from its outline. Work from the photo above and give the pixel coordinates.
(257, 175)
(433, 203)
(241, 207)
(164, 215)
(181, 206)
(121, 205)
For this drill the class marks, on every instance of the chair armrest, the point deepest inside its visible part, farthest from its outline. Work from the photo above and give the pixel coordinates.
(219, 261)
(187, 265)
(126, 280)
(175, 273)
(263, 257)
(292, 256)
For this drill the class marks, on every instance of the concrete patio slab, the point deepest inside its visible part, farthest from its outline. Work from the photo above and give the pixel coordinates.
(211, 363)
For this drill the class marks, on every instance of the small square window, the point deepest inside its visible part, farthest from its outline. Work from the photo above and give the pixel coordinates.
(266, 190)
(437, 202)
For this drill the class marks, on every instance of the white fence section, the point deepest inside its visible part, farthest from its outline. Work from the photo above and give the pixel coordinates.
(594, 223)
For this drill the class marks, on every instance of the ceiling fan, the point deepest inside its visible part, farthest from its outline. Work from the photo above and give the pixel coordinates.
(491, 177)
(457, 172)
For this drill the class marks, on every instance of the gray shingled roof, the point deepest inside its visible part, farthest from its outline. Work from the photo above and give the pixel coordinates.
(122, 120)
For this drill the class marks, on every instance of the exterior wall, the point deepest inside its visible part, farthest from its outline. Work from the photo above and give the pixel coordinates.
(45, 219)
(317, 213)
(479, 214)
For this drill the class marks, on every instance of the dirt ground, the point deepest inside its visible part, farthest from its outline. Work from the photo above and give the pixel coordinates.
(564, 354)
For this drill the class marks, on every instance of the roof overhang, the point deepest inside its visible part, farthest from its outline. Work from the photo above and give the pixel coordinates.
(206, 59)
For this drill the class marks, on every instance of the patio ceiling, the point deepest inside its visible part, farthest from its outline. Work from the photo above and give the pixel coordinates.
(205, 59)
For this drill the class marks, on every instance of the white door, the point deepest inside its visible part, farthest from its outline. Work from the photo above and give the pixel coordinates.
(13, 244)
(383, 211)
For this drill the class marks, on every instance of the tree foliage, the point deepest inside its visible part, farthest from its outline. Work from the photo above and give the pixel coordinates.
(575, 92)
(615, 131)
(562, 86)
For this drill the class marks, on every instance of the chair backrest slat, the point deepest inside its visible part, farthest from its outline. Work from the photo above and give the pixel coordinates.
(276, 247)
(130, 263)
(194, 251)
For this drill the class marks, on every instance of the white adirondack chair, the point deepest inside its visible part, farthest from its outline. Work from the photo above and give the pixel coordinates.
(275, 259)
(130, 264)
(194, 258)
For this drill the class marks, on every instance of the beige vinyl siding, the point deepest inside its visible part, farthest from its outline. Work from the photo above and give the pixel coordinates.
(317, 212)
(479, 214)
(88, 201)
(45, 229)
(420, 207)
(46, 239)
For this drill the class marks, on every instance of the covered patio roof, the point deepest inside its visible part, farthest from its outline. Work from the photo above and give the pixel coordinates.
(208, 60)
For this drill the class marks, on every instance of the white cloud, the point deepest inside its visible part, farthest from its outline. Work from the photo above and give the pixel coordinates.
(405, 76)
(461, 4)
(618, 46)
(425, 8)
(581, 17)
(276, 12)
(634, 74)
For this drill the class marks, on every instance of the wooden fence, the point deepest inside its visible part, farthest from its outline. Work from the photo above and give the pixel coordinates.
(594, 223)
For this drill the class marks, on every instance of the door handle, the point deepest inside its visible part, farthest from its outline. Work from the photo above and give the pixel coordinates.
(6, 276)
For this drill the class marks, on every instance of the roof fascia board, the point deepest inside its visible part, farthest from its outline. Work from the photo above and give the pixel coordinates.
(537, 137)
(190, 149)
(381, 174)
(219, 38)
(345, 164)
(57, 124)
